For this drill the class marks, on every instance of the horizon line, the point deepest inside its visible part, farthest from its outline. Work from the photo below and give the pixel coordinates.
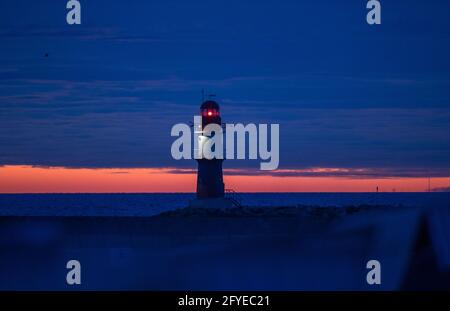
(33, 180)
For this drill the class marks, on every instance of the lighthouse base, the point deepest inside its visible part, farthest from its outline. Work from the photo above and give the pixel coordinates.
(211, 203)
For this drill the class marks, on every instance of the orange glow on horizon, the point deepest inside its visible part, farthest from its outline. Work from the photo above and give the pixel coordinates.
(29, 179)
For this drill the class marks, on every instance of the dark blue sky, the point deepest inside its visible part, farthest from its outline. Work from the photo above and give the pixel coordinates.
(345, 94)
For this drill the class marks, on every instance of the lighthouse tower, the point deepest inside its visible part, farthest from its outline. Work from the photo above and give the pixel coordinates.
(210, 185)
(210, 176)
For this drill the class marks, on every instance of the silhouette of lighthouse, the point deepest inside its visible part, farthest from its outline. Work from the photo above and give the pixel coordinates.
(210, 175)
(210, 185)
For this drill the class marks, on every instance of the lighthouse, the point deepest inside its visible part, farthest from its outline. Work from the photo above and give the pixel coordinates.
(210, 175)
(210, 185)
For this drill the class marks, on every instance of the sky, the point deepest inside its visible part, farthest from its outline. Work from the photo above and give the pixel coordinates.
(359, 106)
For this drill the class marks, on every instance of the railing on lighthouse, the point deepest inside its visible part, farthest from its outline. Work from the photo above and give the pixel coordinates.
(233, 197)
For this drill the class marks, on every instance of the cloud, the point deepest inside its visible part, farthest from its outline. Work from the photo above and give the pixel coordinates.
(106, 34)
(363, 173)
(120, 123)
(81, 33)
(445, 189)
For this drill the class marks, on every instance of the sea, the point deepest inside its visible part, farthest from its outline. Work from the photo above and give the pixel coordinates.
(151, 204)
(119, 246)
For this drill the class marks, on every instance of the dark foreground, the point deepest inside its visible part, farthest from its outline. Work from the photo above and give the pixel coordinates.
(298, 248)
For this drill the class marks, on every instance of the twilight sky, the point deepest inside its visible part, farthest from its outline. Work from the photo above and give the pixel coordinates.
(352, 100)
